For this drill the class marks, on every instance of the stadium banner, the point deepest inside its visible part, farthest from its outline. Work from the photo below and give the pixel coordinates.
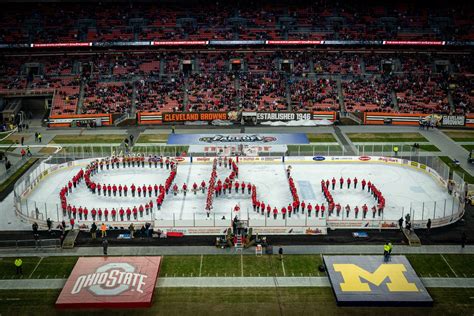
(370, 281)
(149, 118)
(381, 118)
(233, 139)
(54, 45)
(289, 42)
(237, 150)
(453, 121)
(65, 120)
(110, 282)
(236, 42)
(175, 117)
(470, 120)
(423, 43)
(324, 115)
(283, 116)
(179, 43)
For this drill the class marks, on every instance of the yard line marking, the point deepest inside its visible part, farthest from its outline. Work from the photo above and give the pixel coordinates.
(283, 267)
(449, 265)
(36, 267)
(200, 266)
(242, 264)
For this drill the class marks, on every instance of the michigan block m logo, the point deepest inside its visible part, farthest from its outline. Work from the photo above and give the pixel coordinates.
(353, 275)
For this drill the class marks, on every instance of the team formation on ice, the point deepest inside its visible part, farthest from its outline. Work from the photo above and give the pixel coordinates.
(138, 187)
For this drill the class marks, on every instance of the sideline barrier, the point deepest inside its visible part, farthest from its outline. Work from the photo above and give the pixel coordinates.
(382, 118)
(65, 120)
(452, 210)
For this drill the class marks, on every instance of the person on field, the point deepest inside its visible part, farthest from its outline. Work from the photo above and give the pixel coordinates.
(105, 246)
(19, 266)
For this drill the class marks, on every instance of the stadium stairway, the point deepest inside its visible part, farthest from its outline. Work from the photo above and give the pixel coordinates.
(70, 239)
(348, 149)
(412, 238)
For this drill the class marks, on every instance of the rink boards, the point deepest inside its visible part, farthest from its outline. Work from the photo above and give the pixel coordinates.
(216, 226)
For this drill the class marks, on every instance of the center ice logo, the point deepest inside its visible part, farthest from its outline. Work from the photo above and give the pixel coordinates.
(238, 138)
(111, 279)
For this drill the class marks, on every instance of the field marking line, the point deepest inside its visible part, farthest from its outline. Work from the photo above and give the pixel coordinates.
(283, 267)
(452, 270)
(36, 267)
(200, 266)
(242, 264)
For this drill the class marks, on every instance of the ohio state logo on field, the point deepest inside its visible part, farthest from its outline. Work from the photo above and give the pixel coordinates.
(110, 282)
(111, 279)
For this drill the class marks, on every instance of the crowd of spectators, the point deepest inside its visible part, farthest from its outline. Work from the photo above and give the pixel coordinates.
(116, 82)
(320, 20)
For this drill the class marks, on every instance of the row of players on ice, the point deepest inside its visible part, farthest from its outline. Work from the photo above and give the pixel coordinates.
(220, 188)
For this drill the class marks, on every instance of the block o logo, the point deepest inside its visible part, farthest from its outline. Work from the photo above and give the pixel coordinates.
(110, 280)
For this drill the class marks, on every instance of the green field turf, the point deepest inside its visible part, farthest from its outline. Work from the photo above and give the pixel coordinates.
(88, 139)
(241, 301)
(386, 137)
(460, 135)
(458, 169)
(468, 147)
(152, 138)
(389, 148)
(313, 149)
(14, 177)
(163, 150)
(432, 265)
(321, 138)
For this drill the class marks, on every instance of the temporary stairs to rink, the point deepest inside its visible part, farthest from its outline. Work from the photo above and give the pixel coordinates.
(239, 246)
(70, 239)
(412, 237)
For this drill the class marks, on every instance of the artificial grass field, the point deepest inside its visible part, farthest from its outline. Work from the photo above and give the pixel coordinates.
(460, 135)
(432, 265)
(241, 301)
(386, 137)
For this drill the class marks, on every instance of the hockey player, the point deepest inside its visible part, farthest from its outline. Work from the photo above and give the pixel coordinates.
(99, 214)
(283, 212)
(363, 184)
(258, 206)
(369, 185)
(86, 211)
(327, 183)
(310, 208)
(290, 210)
(155, 188)
(348, 183)
(195, 188)
(237, 208)
(262, 208)
(114, 190)
(121, 212)
(341, 182)
(150, 190)
(303, 206)
(338, 209)
(139, 191)
(242, 187)
(175, 189)
(374, 210)
(106, 214)
(133, 188)
(125, 190)
(348, 210)
(316, 209)
(355, 182)
(129, 213)
(288, 172)
(333, 182)
(236, 186)
(120, 189)
(296, 206)
(364, 211)
(356, 211)
(167, 162)
(275, 213)
(249, 187)
(323, 208)
(269, 210)
(109, 190)
(185, 189)
(80, 211)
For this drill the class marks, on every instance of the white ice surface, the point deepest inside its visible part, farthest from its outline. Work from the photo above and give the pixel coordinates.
(402, 188)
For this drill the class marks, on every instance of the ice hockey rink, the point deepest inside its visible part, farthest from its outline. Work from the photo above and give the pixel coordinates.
(405, 189)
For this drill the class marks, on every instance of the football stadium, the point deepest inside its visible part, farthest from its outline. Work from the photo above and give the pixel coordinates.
(236, 158)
